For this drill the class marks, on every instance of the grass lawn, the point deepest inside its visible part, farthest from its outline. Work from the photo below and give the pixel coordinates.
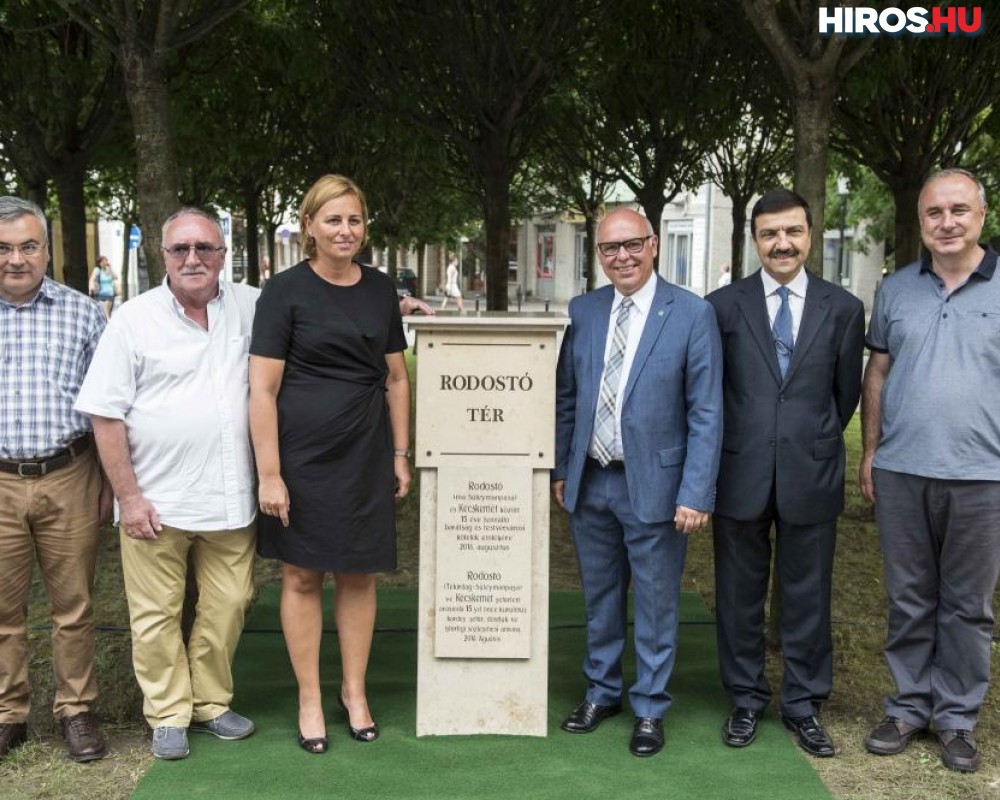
(41, 770)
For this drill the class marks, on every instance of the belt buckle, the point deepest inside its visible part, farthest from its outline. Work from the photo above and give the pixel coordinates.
(30, 470)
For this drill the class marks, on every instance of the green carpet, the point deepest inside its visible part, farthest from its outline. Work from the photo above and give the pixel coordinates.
(694, 763)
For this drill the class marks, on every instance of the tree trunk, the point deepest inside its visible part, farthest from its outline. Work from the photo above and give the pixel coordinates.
(590, 225)
(73, 216)
(737, 239)
(157, 184)
(653, 203)
(271, 232)
(812, 112)
(496, 208)
(907, 239)
(251, 208)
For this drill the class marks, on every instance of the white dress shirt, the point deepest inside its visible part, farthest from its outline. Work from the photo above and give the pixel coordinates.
(183, 394)
(796, 298)
(642, 301)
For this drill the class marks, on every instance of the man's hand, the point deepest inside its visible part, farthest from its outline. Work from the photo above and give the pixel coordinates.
(558, 488)
(139, 519)
(689, 520)
(411, 305)
(865, 478)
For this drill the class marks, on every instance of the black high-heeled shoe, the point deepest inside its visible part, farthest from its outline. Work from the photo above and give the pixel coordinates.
(369, 734)
(316, 745)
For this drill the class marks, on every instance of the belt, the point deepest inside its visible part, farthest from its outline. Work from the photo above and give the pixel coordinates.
(613, 466)
(37, 467)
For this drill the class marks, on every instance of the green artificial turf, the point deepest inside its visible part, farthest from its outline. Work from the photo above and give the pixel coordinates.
(694, 763)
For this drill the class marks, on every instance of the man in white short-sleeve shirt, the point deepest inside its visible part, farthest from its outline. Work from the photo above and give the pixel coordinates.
(167, 393)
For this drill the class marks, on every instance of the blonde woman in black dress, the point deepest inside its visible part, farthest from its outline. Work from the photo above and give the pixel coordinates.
(329, 417)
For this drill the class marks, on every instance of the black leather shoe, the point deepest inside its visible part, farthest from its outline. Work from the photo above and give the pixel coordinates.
(812, 736)
(12, 734)
(741, 727)
(647, 737)
(587, 716)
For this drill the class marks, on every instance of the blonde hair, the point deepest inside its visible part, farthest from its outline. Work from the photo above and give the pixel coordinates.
(327, 188)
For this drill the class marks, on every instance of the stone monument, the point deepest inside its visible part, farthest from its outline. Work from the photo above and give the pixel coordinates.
(484, 446)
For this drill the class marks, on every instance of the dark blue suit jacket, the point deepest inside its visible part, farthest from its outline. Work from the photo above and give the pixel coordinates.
(672, 407)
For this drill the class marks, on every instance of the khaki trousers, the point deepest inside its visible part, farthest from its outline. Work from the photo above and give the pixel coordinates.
(193, 684)
(53, 518)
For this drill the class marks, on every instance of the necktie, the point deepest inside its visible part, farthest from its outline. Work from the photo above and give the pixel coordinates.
(782, 331)
(604, 430)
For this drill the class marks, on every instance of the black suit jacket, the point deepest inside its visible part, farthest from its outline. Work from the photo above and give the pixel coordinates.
(787, 435)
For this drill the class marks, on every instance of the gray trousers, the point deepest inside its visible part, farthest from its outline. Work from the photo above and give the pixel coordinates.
(941, 555)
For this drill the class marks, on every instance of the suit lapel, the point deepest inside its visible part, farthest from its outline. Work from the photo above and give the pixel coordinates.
(754, 308)
(814, 312)
(598, 343)
(659, 310)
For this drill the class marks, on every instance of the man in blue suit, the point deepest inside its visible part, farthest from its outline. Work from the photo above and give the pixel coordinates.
(638, 437)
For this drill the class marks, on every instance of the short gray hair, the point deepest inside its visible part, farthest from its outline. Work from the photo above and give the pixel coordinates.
(13, 208)
(954, 172)
(191, 211)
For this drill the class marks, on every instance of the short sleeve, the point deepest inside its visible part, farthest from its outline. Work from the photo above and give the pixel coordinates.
(272, 323)
(876, 338)
(109, 388)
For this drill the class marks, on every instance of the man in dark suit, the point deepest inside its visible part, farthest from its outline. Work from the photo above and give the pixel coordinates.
(793, 346)
(638, 432)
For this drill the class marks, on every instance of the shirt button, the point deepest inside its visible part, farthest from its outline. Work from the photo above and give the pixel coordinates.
(945, 315)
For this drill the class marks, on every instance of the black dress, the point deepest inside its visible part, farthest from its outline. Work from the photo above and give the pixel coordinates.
(334, 435)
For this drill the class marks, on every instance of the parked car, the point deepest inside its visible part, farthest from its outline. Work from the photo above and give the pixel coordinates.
(406, 282)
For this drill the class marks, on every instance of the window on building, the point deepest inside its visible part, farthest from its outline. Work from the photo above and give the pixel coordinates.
(677, 251)
(546, 254)
(831, 258)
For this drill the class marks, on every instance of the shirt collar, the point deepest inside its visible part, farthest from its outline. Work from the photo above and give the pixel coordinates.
(797, 285)
(987, 266)
(642, 298)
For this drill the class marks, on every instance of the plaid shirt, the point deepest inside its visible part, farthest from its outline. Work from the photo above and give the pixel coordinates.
(45, 349)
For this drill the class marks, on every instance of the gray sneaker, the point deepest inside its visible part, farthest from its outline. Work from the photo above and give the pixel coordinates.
(169, 743)
(228, 725)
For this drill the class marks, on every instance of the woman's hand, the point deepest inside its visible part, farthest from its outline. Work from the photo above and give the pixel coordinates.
(401, 466)
(273, 496)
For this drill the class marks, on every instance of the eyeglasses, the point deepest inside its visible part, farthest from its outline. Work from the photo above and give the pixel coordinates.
(632, 246)
(179, 252)
(28, 249)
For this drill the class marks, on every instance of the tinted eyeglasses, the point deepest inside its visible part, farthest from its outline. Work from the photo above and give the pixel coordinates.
(203, 250)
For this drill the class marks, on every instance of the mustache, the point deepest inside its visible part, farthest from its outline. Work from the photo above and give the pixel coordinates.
(781, 252)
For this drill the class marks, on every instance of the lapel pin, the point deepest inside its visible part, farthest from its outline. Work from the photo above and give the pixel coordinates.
(659, 313)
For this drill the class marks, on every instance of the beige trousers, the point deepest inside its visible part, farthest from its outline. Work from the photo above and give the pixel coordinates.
(53, 518)
(182, 684)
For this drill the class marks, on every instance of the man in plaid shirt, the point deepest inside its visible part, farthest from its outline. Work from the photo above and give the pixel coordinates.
(52, 496)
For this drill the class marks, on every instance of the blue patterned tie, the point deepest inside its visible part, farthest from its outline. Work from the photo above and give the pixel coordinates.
(782, 331)
(604, 429)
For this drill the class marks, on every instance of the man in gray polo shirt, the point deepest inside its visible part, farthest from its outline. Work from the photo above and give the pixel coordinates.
(931, 431)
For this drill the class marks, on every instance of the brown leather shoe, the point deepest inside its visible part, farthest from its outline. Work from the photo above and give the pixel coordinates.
(12, 734)
(83, 738)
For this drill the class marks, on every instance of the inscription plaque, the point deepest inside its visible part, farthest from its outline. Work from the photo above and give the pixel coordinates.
(483, 579)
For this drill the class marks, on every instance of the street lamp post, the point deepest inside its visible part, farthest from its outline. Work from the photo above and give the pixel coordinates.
(842, 192)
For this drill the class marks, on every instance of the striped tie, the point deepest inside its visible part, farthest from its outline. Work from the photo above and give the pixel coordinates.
(604, 429)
